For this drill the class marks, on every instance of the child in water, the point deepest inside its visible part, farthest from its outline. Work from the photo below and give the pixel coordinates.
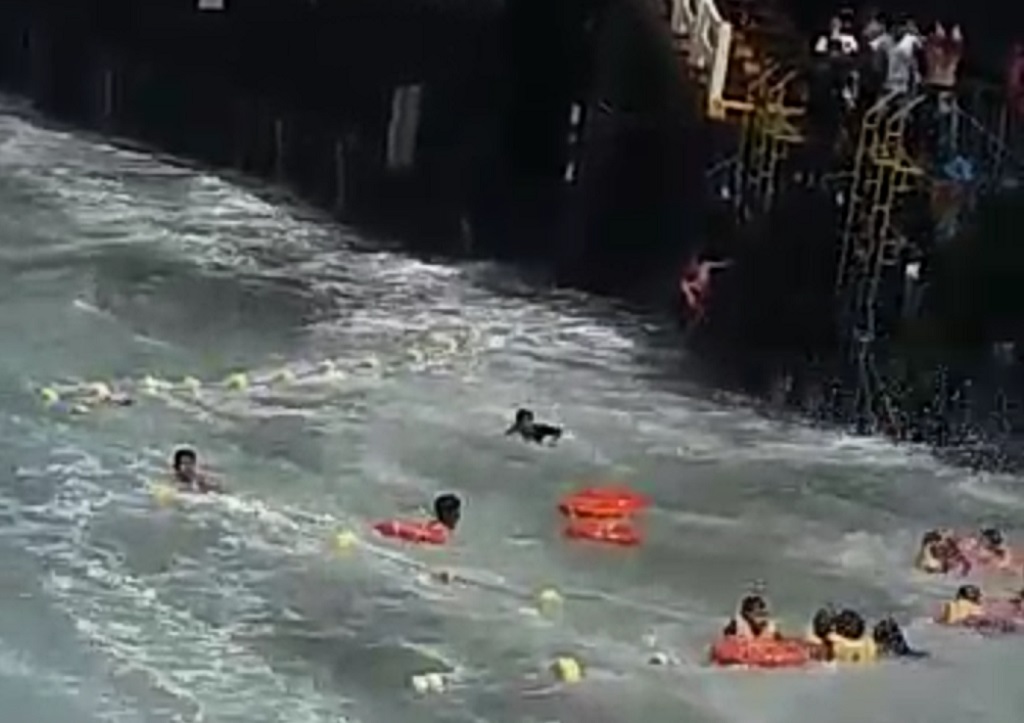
(532, 431)
(940, 553)
(186, 475)
(753, 621)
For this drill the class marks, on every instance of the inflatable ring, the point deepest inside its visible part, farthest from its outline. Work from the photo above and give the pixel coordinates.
(729, 651)
(603, 502)
(420, 533)
(612, 532)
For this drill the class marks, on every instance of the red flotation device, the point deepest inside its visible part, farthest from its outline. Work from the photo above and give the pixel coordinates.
(733, 650)
(420, 533)
(612, 532)
(603, 503)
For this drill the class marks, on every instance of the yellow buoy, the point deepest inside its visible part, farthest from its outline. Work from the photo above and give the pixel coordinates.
(549, 602)
(567, 669)
(49, 395)
(345, 540)
(164, 494)
(237, 381)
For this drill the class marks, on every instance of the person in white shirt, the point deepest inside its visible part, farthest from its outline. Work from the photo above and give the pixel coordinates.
(902, 72)
(839, 36)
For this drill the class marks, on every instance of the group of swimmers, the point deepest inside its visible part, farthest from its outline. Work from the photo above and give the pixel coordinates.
(841, 636)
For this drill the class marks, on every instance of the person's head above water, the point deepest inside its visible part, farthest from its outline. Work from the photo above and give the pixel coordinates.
(448, 510)
(970, 593)
(754, 610)
(850, 625)
(991, 538)
(184, 463)
(823, 622)
(524, 418)
(932, 537)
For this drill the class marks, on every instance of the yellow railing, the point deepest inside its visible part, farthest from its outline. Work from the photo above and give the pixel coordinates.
(708, 37)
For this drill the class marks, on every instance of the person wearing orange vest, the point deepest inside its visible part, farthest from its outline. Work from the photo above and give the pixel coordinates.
(752, 621)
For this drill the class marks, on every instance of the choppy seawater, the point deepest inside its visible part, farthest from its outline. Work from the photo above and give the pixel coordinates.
(115, 266)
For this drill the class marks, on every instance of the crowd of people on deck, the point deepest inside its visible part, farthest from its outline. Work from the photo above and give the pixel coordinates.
(858, 64)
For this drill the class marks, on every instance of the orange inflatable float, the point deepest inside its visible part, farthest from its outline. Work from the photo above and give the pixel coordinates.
(730, 651)
(420, 533)
(603, 503)
(612, 532)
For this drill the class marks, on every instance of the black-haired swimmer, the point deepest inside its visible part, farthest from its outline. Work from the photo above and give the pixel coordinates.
(940, 553)
(526, 426)
(752, 620)
(966, 607)
(891, 641)
(992, 549)
(187, 475)
(822, 626)
(850, 641)
(448, 510)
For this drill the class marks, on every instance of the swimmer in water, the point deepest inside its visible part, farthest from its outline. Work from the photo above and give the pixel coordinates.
(186, 474)
(822, 626)
(891, 641)
(532, 431)
(752, 621)
(447, 511)
(850, 642)
(940, 553)
(992, 548)
(966, 607)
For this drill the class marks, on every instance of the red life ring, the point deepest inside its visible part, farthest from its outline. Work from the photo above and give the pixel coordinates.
(603, 502)
(429, 533)
(612, 532)
(733, 650)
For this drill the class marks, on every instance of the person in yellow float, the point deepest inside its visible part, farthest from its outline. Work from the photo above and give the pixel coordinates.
(966, 608)
(850, 641)
(889, 640)
(752, 621)
(940, 554)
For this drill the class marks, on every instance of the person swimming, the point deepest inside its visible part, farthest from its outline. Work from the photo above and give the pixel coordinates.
(992, 548)
(968, 605)
(891, 642)
(753, 621)
(822, 626)
(447, 511)
(187, 475)
(940, 553)
(850, 641)
(532, 431)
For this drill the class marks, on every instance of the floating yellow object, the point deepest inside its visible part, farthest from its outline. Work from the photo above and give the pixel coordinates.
(549, 601)
(237, 381)
(49, 395)
(164, 494)
(567, 669)
(345, 540)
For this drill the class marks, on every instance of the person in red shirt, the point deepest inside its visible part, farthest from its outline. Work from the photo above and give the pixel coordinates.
(696, 285)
